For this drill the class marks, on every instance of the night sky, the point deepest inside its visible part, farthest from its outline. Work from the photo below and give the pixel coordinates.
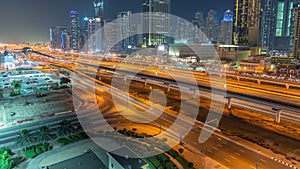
(30, 20)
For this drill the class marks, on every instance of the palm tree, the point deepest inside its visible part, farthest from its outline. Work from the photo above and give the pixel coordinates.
(65, 129)
(17, 86)
(44, 135)
(24, 138)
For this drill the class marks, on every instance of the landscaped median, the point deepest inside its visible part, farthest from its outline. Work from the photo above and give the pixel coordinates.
(72, 139)
(35, 150)
(169, 160)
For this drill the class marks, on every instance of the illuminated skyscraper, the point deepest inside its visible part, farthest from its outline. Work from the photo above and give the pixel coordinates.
(124, 30)
(277, 25)
(95, 35)
(296, 43)
(267, 23)
(199, 22)
(74, 31)
(99, 8)
(212, 26)
(284, 26)
(58, 37)
(226, 28)
(246, 27)
(156, 21)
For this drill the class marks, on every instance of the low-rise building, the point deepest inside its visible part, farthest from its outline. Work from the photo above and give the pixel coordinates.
(130, 161)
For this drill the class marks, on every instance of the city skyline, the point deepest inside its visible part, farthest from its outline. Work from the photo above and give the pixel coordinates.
(30, 21)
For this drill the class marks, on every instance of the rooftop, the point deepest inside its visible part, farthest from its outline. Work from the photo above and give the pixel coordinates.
(87, 160)
(126, 162)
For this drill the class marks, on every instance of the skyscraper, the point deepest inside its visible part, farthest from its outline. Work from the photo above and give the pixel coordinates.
(124, 30)
(283, 28)
(99, 8)
(246, 27)
(156, 21)
(58, 37)
(225, 35)
(296, 42)
(212, 26)
(95, 35)
(267, 20)
(74, 31)
(198, 21)
(277, 25)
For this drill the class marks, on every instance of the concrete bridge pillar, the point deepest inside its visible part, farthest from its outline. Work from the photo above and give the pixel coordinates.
(238, 78)
(287, 86)
(229, 102)
(278, 116)
(146, 81)
(258, 81)
(169, 87)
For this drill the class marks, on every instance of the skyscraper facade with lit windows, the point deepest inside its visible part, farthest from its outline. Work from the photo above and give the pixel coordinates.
(212, 26)
(58, 38)
(284, 27)
(124, 25)
(156, 21)
(74, 31)
(225, 35)
(296, 40)
(246, 26)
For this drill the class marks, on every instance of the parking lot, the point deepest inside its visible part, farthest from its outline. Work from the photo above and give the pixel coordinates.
(29, 108)
(29, 80)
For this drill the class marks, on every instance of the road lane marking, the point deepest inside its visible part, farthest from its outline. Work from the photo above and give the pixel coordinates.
(263, 160)
(237, 153)
(227, 160)
(253, 167)
(233, 157)
(242, 151)
(215, 148)
(210, 151)
(225, 143)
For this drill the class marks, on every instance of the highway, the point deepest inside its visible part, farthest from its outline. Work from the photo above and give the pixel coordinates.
(232, 156)
(220, 148)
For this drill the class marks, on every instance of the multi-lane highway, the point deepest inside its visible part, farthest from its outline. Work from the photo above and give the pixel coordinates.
(224, 150)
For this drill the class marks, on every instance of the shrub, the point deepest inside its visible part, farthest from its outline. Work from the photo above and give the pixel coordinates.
(4, 149)
(180, 150)
(190, 165)
(173, 153)
(30, 153)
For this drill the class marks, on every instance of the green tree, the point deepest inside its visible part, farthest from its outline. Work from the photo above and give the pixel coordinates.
(65, 129)
(44, 134)
(24, 138)
(17, 86)
(6, 161)
(3, 149)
